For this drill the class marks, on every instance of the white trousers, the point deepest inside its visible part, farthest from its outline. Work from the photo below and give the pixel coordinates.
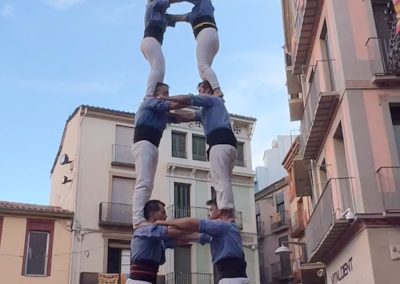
(222, 161)
(131, 281)
(145, 157)
(234, 281)
(151, 50)
(206, 49)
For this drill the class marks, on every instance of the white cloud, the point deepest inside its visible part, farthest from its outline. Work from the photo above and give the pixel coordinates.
(63, 4)
(7, 10)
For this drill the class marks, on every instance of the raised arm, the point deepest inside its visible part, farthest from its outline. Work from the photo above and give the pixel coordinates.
(185, 224)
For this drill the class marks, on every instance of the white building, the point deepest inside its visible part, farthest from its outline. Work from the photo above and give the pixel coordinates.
(93, 175)
(272, 171)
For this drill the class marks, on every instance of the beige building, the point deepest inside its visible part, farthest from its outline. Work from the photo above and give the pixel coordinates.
(93, 175)
(341, 58)
(35, 243)
(273, 223)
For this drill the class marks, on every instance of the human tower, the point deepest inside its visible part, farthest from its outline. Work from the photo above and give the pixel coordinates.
(152, 232)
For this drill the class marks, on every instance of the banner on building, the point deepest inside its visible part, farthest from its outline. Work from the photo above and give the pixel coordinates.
(108, 278)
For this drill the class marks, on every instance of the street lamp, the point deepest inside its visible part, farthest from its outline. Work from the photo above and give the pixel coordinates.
(284, 250)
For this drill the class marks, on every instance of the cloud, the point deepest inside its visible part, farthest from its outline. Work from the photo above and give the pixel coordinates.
(63, 4)
(7, 10)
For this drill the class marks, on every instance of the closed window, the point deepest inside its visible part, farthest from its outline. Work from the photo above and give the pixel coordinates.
(122, 152)
(120, 209)
(38, 248)
(179, 144)
(240, 157)
(199, 148)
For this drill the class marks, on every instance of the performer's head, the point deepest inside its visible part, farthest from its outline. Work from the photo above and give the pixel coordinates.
(205, 88)
(213, 212)
(154, 210)
(161, 90)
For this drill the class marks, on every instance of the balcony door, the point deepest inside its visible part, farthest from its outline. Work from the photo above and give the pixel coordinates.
(183, 265)
(181, 200)
(123, 142)
(121, 200)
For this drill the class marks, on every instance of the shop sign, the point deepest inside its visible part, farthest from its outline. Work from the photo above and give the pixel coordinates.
(343, 271)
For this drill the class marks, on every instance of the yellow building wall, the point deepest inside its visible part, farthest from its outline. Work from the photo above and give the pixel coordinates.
(12, 245)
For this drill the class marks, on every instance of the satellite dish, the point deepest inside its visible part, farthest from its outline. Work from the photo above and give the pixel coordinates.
(64, 159)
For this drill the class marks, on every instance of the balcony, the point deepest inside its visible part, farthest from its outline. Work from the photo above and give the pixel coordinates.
(176, 212)
(319, 108)
(122, 156)
(380, 62)
(115, 214)
(307, 19)
(189, 278)
(296, 109)
(326, 225)
(281, 270)
(389, 187)
(298, 223)
(279, 221)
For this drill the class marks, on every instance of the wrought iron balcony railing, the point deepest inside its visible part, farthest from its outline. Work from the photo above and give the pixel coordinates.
(320, 102)
(188, 278)
(122, 154)
(115, 214)
(378, 51)
(389, 187)
(280, 221)
(326, 224)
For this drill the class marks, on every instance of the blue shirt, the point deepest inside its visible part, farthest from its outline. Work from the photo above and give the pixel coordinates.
(213, 114)
(150, 242)
(225, 239)
(154, 113)
(202, 8)
(155, 13)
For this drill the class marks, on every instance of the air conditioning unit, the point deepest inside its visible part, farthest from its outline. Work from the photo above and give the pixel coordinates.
(296, 109)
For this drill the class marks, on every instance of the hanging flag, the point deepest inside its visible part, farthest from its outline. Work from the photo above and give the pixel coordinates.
(396, 4)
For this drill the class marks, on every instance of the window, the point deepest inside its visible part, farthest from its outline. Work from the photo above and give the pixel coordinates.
(123, 142)
(183, 265)
(178, 144)
(240, 156)
(38, 247)
(395, 115)
(182, 200)
(120, 210)
(259, 224)
(199, 148)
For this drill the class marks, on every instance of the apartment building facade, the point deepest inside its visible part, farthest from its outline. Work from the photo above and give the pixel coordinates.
(273, 224)
(35, 243)
(94, 175)
(343, 85)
